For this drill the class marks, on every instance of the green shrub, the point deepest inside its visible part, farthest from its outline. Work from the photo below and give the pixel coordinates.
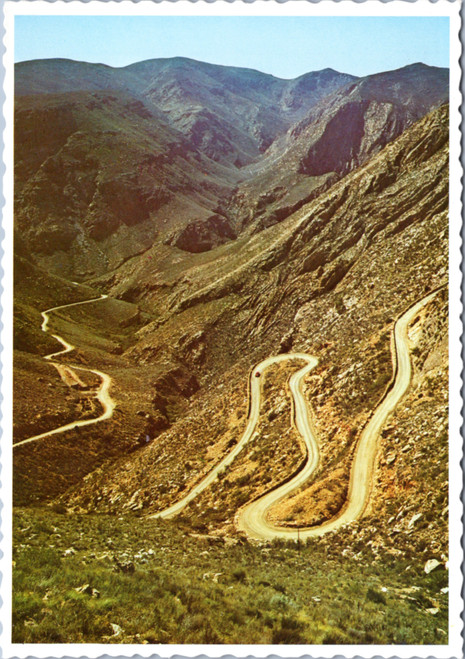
(375, 596)
(25, 605)
(279, 601)
(281, 588)
(289, 633)
(334, 637)
(240, 575)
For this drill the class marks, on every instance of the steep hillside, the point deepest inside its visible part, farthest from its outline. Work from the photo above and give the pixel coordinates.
(339, 134)
(375, 109)
(184, 233)
(329, 281)
(231, 115)
(99, 177)
(110, 162)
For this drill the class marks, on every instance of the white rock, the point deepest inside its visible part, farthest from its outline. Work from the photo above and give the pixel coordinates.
(414, 519)
(431, 565)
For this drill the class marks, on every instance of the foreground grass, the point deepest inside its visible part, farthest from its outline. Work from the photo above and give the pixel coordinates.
(152, 582)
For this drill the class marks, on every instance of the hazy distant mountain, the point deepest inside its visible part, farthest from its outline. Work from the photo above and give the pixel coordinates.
(108, 161)
(230, 114)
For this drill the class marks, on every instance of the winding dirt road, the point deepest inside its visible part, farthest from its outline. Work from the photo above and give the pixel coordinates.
(68, 373)
(302, 421)
(252, 518)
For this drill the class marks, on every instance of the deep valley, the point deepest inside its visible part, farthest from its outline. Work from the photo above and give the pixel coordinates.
(224, 222)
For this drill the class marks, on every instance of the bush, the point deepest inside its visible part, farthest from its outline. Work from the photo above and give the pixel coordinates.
(375, 596)
(279, 601)
(339, 304)
(26, 605)
(290, 632)
(279, 587)
(243, 480)
(286, 636)
(334, 637)
(240, 575)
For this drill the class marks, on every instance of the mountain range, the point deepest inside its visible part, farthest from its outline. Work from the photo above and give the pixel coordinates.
(186, 153)
(200, 219)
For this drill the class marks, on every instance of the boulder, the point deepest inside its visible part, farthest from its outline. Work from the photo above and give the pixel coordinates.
(431, 565)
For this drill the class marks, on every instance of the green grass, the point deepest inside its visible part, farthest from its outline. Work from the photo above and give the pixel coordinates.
(186, 589)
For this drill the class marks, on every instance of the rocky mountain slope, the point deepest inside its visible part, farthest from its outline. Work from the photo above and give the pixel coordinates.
(104, 179)
(328, 281)
(227, 221)
(231, 115)
(340, 133)
(110, 162)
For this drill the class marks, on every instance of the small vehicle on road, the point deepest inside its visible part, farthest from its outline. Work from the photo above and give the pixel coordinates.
(257, 374)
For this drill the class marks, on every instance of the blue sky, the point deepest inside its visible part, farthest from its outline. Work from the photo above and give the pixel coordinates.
(283, 46)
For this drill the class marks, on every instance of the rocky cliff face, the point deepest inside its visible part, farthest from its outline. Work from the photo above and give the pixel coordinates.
(364, 116)
(110, 162)
(339, 134)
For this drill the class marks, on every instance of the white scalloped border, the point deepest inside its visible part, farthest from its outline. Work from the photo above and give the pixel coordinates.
(241, 8)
